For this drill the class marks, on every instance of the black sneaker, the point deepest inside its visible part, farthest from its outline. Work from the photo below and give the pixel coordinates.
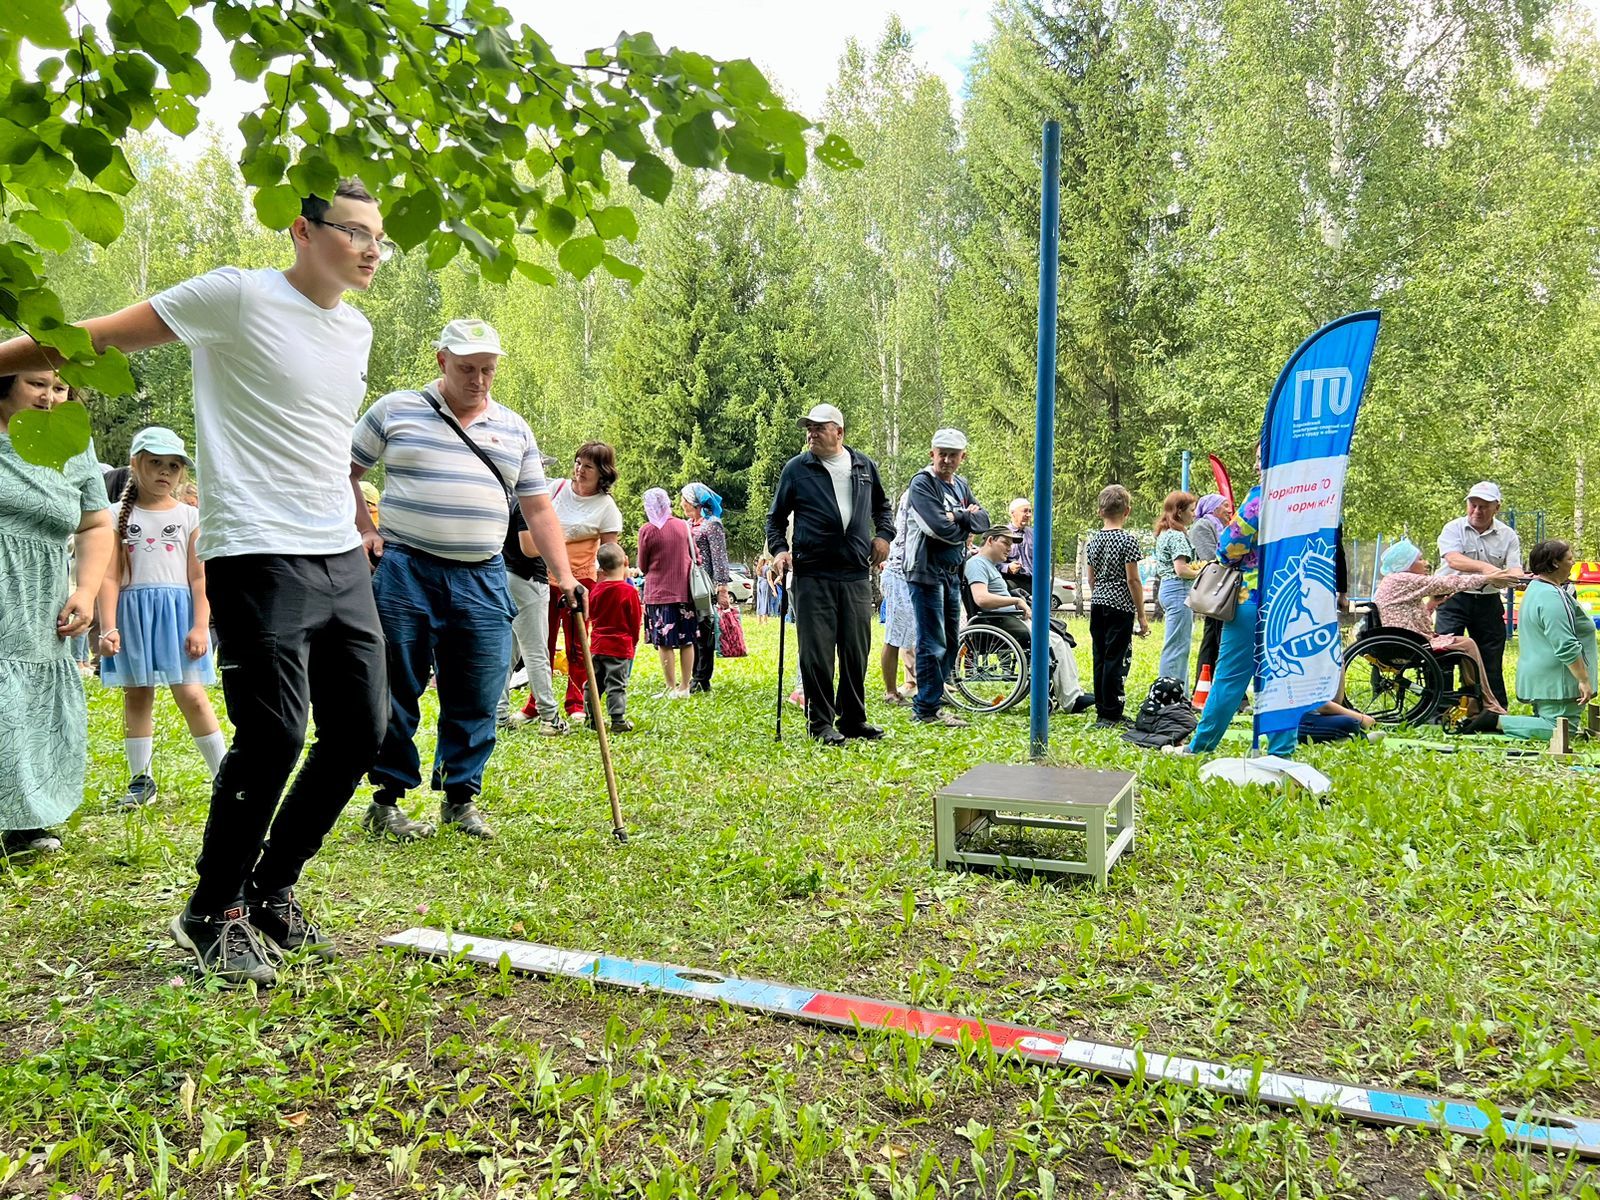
(141, 791)
(622, 725)
(465, 817)
(867, 733)
(282, 922)
(226, 947)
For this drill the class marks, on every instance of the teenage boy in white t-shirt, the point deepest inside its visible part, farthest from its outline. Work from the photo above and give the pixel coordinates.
(280, 369)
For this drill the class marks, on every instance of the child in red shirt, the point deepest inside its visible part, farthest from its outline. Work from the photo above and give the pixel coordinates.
(615, 615)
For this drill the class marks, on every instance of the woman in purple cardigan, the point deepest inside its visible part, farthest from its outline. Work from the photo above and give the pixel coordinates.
(670, 621)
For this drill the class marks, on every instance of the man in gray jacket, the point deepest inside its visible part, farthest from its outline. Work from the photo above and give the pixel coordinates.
(941, 514)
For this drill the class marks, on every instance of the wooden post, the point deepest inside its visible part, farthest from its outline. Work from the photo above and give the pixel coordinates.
(1561, 740)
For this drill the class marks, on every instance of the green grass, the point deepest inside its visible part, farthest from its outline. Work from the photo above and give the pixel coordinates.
(1432, 925)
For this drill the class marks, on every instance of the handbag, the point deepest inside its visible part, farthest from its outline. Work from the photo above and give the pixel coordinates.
(702, 592)
(511, 498)
(732, 645)
(1215, 592)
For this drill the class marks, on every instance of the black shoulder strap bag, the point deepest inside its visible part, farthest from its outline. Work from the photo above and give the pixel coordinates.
(511, 498)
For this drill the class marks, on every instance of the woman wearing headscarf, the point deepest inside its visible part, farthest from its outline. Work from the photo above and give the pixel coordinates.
(1407, 595)
(1212, 515)
(703, 509)
(670, 624)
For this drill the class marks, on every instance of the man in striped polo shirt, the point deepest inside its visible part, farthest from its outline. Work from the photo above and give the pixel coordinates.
(440, 582)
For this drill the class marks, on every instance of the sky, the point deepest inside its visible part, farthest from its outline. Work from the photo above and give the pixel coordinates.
(797, 45)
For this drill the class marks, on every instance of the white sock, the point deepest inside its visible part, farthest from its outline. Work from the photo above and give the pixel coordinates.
(139, 752)
(212, 747)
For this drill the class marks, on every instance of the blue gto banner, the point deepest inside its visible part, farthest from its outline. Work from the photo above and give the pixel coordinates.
(1305, 449)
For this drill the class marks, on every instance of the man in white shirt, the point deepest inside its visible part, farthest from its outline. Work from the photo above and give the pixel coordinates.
(280, 371)
(1479, 544)
(453, 460)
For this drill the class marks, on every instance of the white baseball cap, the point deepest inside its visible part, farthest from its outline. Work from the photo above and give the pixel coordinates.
(949, 439)
(1485, 491)
(822, 414)
(469, 336)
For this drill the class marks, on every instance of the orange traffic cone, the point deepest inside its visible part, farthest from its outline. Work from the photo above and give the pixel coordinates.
(1203, 688)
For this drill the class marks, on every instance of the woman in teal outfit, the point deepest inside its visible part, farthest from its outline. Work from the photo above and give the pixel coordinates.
(1555, 651)
(44, 738)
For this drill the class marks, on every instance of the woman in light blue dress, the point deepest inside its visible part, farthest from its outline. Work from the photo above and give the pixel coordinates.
(44, 740)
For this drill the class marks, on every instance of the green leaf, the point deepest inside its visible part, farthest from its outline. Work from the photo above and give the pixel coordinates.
(621, 269)
(616, 221)
(833, 151)
(109, 374)
(95, 215)
(118, 175)
(579, 256)
(89, 147)
(652, 177)
(277, 206)
(232, 21)
(177, 113)
(42, 22)
(52, 438)
(413, 217)
(696, 142)
(47, 233)
(536, 272)
(556, 223)
(264, 167)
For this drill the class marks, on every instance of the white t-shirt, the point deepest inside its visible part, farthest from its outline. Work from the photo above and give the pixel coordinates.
(278, 381)
(583, 519)
(839, 471)
(156, 545)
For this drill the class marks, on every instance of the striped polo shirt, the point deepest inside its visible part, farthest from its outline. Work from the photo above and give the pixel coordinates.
(438, 497)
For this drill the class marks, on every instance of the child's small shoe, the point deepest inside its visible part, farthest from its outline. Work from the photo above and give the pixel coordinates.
(141, 791)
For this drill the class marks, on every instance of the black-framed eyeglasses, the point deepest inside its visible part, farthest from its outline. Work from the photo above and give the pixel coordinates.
(360, 239)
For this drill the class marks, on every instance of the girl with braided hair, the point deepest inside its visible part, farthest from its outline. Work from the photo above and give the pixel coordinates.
(154, 611)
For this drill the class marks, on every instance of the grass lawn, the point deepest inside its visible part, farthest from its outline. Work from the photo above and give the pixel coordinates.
(1432, 925)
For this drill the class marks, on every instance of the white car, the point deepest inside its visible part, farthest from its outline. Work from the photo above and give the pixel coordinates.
(1063, 593)
(740, 589)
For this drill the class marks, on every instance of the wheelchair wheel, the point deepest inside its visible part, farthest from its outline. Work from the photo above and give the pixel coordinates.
(1393, 680)
(991, 672)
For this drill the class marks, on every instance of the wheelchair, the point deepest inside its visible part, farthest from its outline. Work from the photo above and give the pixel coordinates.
(1395, 677)
(992, 664)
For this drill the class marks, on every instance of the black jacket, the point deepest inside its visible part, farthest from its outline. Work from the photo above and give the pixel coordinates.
(823, 548)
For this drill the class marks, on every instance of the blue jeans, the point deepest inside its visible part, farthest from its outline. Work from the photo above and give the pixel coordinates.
(452, 619)
(1179, 626)
(936, 608)
(1236, 667)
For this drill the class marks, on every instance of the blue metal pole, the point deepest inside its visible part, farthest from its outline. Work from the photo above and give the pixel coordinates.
(1187, 459)
(1044, 444)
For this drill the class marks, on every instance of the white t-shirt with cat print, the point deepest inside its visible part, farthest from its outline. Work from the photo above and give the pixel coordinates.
(156, 546)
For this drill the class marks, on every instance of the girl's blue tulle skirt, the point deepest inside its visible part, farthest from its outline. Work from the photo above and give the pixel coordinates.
(153, 620)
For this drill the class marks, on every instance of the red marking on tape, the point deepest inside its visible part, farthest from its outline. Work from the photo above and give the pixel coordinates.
(942, 1027)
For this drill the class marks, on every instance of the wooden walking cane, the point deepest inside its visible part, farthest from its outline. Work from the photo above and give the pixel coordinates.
(783, 624)
(582, 616)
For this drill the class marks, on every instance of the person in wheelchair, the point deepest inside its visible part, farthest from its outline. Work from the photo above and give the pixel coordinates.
(992, 602)
(1407, 595)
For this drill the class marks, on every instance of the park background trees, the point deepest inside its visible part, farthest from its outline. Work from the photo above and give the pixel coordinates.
(1233, 176)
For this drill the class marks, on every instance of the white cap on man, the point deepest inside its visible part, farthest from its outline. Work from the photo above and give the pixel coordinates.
(822, 414)
(468, 335)
(1485, 491)
(949, 439)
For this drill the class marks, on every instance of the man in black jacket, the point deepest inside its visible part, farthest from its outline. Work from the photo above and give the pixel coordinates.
(941, 514)
(842, 529)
